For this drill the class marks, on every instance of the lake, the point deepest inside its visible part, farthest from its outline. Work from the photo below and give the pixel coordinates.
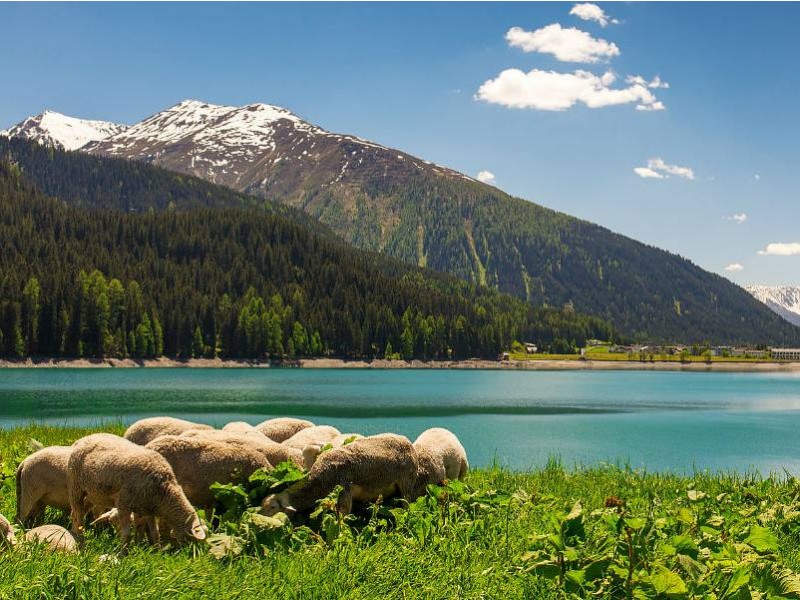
(659, 420)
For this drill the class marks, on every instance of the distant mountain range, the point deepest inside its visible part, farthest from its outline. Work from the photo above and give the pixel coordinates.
(386, 200)
(783, 299)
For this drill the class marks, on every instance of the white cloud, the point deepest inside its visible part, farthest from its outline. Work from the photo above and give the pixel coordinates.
(657, 169)
(655, 83)
(567, 44)
(781, 249)
(737, 218)
(485, 177)
(550, 90)
(734, 267)
(647, 173)
(757, 177)
(591, 12)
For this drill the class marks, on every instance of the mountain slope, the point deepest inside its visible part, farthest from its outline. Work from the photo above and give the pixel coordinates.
(388, 201)
(784, 300)
(232, 279)
(61, 131)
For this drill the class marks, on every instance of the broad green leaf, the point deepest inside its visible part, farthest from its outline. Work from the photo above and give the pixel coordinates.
(668, 583)
(695, 495)
(762, 539)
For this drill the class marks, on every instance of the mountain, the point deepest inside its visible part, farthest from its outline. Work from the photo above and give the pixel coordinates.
(783, 299)
(61, 131)
(388, 201)
(171, 264)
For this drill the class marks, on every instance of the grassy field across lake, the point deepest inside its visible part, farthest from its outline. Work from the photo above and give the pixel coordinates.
(600, 532)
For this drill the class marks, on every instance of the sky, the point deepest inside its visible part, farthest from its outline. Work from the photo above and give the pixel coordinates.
(676, 124)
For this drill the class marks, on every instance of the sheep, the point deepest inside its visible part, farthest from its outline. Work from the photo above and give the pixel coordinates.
(282, 428)
(274, 452)
(55, 537)
(201, 461)
(377, 466)
(7, 536)
(146, 430)
(319, 435)
(109, 471)
(444, 446)
(41, 482)
(240, 427)
(312, 451)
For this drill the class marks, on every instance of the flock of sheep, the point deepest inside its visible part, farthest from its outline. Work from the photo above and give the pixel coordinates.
(151, 480)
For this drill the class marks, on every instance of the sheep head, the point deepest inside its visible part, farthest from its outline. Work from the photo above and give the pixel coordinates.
(276, 503)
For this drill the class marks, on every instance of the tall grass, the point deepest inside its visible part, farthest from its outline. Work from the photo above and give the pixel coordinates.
(490, 539)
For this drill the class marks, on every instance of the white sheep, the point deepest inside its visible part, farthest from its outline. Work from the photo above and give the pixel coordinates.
(55, 537)
(319, 435)
(146, 430)
(241, 427)
(108, 471)
(312, 451)
(274, 452)
(7, 536)
(41, 482)
(201, 461)
(383, 465)
(445, 446)
(282, 428)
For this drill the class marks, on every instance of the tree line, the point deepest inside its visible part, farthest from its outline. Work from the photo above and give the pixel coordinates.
(234, 282)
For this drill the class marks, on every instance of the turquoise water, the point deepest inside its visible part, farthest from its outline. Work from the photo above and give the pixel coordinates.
(657, 420)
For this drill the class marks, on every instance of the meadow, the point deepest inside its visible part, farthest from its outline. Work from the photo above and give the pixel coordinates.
(605, 531)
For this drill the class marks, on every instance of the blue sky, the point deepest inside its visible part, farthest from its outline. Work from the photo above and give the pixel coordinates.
(408, 75)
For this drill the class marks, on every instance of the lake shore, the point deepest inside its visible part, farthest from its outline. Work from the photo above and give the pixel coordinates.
(337, 363)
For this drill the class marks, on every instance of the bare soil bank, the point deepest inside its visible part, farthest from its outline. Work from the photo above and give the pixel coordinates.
(336, 363)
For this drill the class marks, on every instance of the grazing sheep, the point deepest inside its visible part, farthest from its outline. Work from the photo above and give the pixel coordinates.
(41, 482)
(201, 461)
(106, 470)
(146, 430)
(282, 428)
(430, 470)
(274, 452)
(240, 427)
(444, 446)
(319, 435)
(312, 451)
(377, 466)
(7, 536)
(56, 537)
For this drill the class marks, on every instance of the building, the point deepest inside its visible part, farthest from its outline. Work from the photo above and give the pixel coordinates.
(531, 348)
(786, 353)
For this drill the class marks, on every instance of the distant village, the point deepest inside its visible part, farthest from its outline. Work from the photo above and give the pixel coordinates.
(595, 349)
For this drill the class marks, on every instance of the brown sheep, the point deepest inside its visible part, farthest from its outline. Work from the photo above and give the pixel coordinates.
(56, 537)
(274, 452)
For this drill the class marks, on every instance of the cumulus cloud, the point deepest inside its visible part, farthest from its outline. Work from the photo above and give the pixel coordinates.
(734, 267)
(737, 218)
(781, 249)
(591, 12)
(658, 169)
(485, 177)
(647, 173)
(567, 44)
(655, 83)
(551, 90)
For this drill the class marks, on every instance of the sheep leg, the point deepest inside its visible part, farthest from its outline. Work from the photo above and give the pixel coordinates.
(124, 526)
(79, 507)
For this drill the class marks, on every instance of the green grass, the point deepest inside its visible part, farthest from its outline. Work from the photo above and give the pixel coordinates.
(549, 533)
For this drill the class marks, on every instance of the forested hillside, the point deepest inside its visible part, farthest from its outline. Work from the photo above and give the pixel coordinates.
(226, 281)
(385, 200)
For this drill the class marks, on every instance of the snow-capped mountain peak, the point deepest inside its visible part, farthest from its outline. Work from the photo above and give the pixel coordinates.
(782, 299)
(61, 131)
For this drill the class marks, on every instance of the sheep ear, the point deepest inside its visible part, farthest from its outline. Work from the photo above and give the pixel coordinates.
(290, 511)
